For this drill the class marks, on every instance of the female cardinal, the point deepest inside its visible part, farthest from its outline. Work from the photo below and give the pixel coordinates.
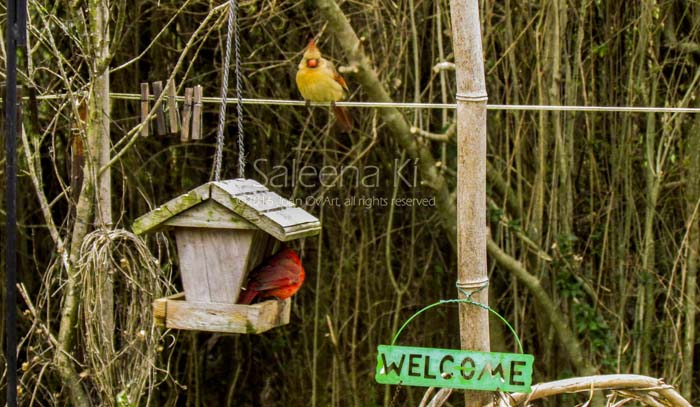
(279, 276)
(318, 81)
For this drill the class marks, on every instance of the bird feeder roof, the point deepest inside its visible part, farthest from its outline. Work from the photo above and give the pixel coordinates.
(232, 204)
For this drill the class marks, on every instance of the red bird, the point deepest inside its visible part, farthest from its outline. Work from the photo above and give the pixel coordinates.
(279, 276)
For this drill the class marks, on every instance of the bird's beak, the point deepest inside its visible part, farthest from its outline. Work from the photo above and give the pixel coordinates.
(312, 63)
(312, 44)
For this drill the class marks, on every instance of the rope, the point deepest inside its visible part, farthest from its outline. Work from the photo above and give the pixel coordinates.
(412, 105)
(232, 21)
(218, 156)
(239, 95)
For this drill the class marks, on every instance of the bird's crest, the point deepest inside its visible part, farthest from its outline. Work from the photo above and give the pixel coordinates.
(312, 51)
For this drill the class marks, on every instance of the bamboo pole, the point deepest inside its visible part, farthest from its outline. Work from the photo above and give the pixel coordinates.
(471, 185)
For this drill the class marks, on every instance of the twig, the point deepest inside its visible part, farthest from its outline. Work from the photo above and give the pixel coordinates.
(134, 134)
(652, 387)
(448, 135)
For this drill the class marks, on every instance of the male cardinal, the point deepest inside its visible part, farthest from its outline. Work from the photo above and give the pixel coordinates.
(318, 81)
(278, 276)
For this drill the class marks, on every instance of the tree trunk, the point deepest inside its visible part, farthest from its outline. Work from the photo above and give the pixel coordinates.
(647, 302)
(693, 258)
(99, 144)
(94, 202)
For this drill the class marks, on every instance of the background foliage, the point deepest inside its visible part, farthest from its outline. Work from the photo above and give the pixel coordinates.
(600, 209)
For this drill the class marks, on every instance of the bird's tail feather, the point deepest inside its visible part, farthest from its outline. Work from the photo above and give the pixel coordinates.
(247, 296)
(341, 114)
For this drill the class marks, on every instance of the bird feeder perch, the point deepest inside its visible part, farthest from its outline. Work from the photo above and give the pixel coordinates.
(223, 230)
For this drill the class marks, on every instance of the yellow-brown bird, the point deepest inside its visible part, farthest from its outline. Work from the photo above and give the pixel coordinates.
(318, 81)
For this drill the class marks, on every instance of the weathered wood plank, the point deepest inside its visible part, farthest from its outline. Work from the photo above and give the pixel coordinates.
(246, 212)
(192, 273)
(177, 297)
(273, 313)
(274, 222)
(302, 230)
(156, 217)
(264, 201)
(245, 198)
(209, 214)
(160, 307)
(206, 317)
(302, 227)
(239, 186)
(311, 231)
(263, 245)
(160, 311)
(290, 217)
(226, 318)
(213, 262)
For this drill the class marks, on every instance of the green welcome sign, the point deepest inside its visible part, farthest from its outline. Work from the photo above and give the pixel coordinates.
(459, 369)
(431, 367)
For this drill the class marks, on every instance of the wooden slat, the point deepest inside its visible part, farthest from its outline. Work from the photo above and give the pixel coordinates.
(246, 212)
(239, 186)
(298, 234)
(172, 109)
(156, 217)
(209, 214)
(197, 114)
(176, 297)
(160, 116)
(290, 217)
(302, 227)
(160, 311)
(264, 201)
(277, 223)
(213, 262)
(226, 318)
(186, 115)
(144, 110)
(160, 307)
(263, 246)
(247, 199)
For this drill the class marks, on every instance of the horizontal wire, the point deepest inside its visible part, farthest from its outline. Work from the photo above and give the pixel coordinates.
(413, 105)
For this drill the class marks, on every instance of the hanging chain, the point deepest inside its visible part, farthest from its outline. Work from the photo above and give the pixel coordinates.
(232, 27)
(396, 395)
(239, 94)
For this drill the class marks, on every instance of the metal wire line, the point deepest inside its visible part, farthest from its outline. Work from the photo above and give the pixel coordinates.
(413, 105)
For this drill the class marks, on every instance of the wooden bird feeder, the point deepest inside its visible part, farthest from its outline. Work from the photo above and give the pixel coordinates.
(223, 230)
